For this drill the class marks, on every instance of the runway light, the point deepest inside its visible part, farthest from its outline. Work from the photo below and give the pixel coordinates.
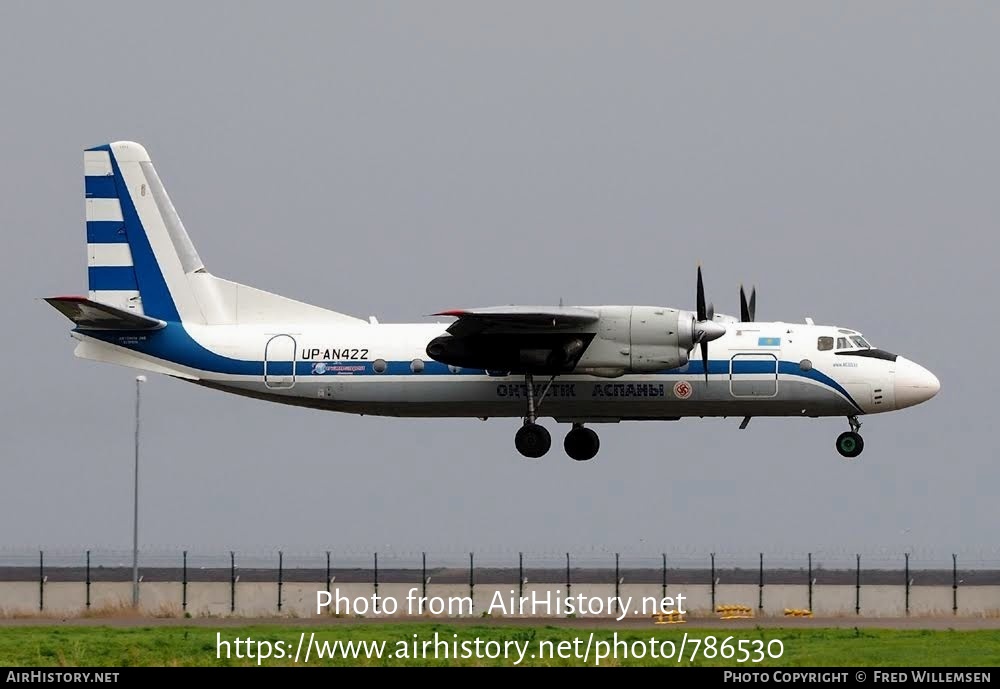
(672, 617)
(734, 612)
(798, 612)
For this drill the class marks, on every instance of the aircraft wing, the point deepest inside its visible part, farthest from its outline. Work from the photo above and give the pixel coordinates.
(507, 318)
(514, 338)
(93, 315)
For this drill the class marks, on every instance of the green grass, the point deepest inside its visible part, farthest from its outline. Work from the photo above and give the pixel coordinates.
(196, 645)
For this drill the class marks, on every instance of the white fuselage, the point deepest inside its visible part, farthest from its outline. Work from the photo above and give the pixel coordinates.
(755, 369)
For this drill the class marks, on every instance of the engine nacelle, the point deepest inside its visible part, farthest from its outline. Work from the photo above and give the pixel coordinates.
(639, 339)
(659, 338)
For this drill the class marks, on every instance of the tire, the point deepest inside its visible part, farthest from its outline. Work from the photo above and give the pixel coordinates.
(582, 444)
(850, 444)
(532, 440)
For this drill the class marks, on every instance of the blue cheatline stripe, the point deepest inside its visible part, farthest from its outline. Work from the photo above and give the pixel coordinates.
(792, 368)
(754, 366)
(100, 187)
(106, 232)
(173, 343)
(112, 278)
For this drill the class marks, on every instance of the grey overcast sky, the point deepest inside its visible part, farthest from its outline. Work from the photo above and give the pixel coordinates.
(398, 158)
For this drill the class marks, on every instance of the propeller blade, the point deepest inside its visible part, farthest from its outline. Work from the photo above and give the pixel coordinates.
(744, 309)
(753, 303)
(706, 328)
(701, 298)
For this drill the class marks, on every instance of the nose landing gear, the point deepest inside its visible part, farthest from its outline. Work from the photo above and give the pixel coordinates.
(850, 443)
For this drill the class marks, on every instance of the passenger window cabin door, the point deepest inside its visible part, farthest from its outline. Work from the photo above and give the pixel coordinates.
(279, 362)
(753, 375)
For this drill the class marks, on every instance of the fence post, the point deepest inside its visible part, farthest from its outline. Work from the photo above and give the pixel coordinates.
(520, 576)
(472, 584)
(663, 597)
(568, 583)
(281, 563)
(375, 578)
(41, 580)
(857, 589)
(423, 573)
(184, 583)
(907, 575)
(88, 580)
(954, 584)
(232, 581)
(760, 586)
(810, 582)
(328, 571)
(713, 582)
(618, 580)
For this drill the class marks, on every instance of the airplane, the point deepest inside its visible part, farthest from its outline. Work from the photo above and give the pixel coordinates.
(153, 306)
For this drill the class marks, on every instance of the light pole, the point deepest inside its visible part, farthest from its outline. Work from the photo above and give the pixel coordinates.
(139, 380)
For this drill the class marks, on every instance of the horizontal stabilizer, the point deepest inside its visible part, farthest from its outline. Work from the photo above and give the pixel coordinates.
(92, 315)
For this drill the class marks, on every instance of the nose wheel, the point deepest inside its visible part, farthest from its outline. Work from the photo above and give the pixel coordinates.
(850, 443)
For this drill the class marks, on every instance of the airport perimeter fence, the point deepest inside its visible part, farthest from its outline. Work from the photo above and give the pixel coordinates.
(254, 582)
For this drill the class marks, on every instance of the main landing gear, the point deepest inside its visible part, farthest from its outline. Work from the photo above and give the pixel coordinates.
(533, 440)
(581, 443)
(850, 443)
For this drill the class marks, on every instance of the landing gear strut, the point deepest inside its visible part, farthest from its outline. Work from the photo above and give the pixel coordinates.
(533, 440)
(581, 443)
(850, 443)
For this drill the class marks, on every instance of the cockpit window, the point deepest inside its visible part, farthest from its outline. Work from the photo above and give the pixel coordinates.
(824, 343)
(860, 342)
(842, 343)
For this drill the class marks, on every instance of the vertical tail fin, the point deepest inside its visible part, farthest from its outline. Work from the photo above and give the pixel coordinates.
(139, 254)
(110, 268)
(140, 258)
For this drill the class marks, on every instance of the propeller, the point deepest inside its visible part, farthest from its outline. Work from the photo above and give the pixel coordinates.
(747, 310)
(706, 329)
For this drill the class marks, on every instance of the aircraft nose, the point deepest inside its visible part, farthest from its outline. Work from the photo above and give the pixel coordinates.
(914, 383)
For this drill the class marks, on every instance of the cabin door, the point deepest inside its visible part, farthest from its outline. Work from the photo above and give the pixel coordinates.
(753, 375)
(279, 362)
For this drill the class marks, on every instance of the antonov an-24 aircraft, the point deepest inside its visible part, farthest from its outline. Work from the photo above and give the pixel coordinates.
(153, 306)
